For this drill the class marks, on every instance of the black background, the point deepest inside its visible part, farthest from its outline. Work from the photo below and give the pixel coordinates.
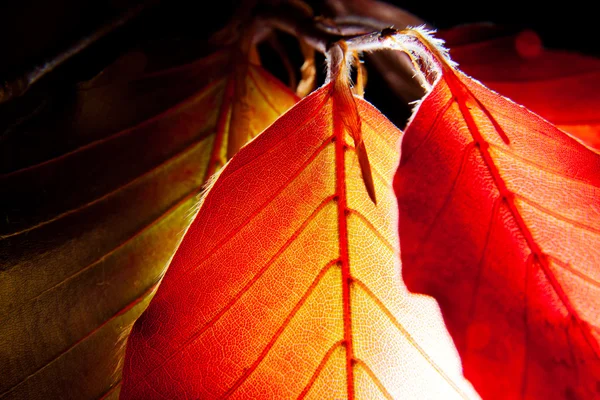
(568, 25)
(33, 31)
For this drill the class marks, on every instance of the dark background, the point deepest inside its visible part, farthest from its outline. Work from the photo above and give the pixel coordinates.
(568, 25)
(33, 30)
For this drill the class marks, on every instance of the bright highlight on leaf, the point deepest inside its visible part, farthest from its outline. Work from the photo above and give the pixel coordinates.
(287, 283)
(500, 222)
(94, 202)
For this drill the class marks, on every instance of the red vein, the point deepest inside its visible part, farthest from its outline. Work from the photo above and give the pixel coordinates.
(122, 311)
(235, 231)
(264, 205)
(556, 215)
(408, 336)
(340, 174)
(320, 368)
(438, 118)
(495, 123)
(375, 379)
(247, 286)
(281, 329)
(554, 125)
(457, 86)
(449, 197)
(480, 266)
(575, 272)
(372, 228)
(310, 117)
(536, 165)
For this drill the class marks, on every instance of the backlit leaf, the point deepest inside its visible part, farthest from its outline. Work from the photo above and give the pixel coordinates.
(287, 284)
(95, 194)
(500, 222)
(561, 86)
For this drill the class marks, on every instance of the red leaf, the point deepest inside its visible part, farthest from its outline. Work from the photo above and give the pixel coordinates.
(287, 285)
(561, 86)
(500, 222)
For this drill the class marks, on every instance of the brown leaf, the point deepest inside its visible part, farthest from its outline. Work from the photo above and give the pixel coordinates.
(96, 192)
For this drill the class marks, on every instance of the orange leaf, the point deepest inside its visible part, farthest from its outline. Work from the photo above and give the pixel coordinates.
(500, 222)
(286, 284)
(561, 86)
(95, 194)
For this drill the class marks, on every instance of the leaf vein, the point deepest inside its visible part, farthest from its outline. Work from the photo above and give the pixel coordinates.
(481, 265)
(122, 311)
(372, 228)
(454, 83)
(557, 216)
(124, 132)
(193, 337)
(264, 205)
(575, 272)
(115, 249)
(176, 157)
(438, 118)
(320, 368)
(249, 371)
(536, 165)
(262, 92)
(408, 336)
(374, 378)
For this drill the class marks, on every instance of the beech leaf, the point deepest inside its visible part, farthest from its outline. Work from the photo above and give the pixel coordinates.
(500, 222)
(561, 86)
(295, 294)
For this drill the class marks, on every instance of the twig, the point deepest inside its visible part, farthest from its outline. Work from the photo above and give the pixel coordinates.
(320, 33)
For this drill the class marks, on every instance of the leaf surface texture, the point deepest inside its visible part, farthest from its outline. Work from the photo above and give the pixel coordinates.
(500, 222)
(561, 86)
(287, 284)
(96, 192)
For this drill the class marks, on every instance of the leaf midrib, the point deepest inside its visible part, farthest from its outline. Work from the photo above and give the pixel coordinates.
(456, 87)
